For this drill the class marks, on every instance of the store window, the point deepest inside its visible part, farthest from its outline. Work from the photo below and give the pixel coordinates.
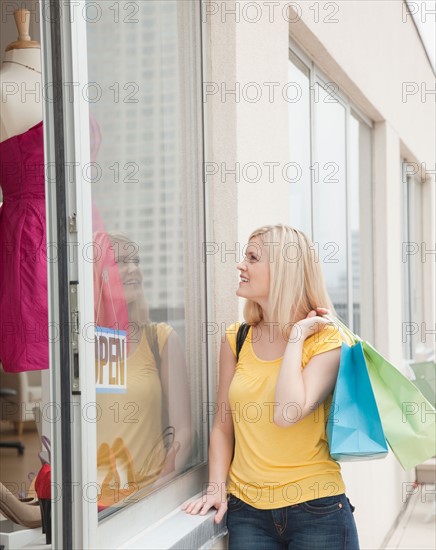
(150, 430)
(412, 266)
(330, 153)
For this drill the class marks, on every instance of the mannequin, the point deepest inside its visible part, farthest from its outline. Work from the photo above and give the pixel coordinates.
(23, 272)
(20, 76)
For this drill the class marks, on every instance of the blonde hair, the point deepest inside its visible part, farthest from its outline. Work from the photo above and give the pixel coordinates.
(296, 279)
(141, 313)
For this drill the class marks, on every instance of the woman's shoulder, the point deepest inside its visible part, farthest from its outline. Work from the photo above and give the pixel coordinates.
(164, 327)
(232, 330)
(328, 338)
(231, 333)
(163, 332)
(233, 327)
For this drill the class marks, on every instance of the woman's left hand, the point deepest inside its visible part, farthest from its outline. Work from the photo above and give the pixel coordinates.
(313, 323)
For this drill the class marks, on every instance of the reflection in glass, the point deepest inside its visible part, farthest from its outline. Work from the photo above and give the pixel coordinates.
(144, 433)
(142, 128)
(354, 219)
(299, 144)
(329, 192)
(359, 189)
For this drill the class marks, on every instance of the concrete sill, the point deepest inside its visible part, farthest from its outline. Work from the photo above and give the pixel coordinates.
(179, 530)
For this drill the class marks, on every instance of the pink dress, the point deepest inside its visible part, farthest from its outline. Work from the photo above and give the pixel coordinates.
(23, 253)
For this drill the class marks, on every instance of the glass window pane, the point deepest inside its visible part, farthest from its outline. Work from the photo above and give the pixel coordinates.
(329, 195)
(299, 144)
(145, 137)
(412, 266)
(360, 200)
(417, 273)
(354, 219)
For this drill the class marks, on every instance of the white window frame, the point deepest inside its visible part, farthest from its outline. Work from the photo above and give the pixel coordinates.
(412, 282)
(141, 524)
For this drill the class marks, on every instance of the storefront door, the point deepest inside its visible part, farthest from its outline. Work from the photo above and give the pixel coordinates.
(125, 209)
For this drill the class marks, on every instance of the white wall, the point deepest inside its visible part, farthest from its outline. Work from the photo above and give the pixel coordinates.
(262, 127)
(369, 53)
(220, 149)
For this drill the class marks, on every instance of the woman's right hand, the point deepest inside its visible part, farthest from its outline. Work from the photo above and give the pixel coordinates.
(221, 447)
(318, 311)
(203, 504)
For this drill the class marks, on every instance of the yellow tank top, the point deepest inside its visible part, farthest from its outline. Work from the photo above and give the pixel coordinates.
(274, 467)
(134, 418)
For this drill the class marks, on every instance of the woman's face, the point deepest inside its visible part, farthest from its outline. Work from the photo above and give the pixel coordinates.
(254, 273)
(127, 260)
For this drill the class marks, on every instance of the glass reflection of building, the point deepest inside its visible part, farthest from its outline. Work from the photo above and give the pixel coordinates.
(339, 292)
(138, 193)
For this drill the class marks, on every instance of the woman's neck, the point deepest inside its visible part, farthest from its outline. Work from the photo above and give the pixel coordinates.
(137, 317)
(270, 320)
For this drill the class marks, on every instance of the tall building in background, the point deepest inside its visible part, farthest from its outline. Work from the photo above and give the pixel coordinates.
(140, 152)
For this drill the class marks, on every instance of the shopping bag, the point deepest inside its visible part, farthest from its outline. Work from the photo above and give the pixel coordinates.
(425, 381)
(354, 429)
(408, 419)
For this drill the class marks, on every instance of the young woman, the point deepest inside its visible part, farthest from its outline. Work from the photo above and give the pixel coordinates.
(269, 463)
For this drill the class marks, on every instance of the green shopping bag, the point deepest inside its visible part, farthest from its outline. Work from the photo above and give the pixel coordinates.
(408, 419)
(425, 380)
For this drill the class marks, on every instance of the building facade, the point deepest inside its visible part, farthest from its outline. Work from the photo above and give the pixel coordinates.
(191, 124)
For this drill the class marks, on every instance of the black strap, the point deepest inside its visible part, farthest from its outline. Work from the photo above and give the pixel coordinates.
(240, 337)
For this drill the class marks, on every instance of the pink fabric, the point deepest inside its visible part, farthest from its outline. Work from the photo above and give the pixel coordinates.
(23, 252)
(94, 137)
(110, 308)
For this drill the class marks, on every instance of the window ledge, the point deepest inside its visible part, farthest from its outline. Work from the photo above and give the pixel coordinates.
(16, 536)
(179, 530)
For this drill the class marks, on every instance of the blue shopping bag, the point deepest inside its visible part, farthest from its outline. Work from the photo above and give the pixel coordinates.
(354, 429)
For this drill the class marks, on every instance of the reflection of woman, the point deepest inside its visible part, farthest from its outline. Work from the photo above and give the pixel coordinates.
(285, 490)
(135, 448)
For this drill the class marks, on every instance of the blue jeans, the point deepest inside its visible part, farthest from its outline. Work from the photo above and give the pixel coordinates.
(321, 524)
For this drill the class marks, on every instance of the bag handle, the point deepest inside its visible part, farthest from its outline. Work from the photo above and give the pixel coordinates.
(342, 326)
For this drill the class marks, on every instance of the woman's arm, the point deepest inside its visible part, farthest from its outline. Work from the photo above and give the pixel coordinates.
(299, 392)
(221, 444)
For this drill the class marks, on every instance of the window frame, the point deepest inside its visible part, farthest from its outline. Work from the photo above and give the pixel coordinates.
(412, 210)
(117, 530)
(366, 224)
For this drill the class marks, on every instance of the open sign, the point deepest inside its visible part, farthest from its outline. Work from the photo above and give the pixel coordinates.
(110, 360)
